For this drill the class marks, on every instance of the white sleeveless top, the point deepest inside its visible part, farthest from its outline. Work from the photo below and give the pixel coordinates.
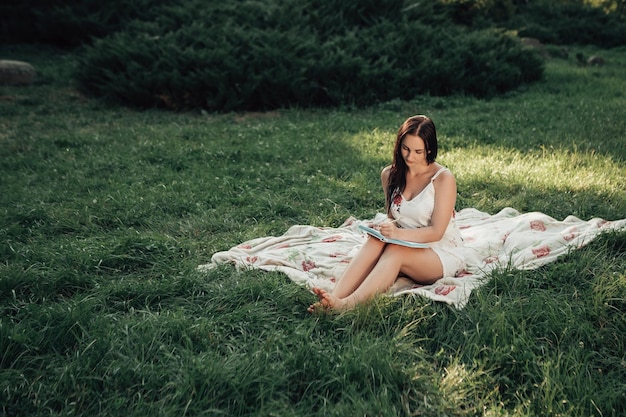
(418, 212)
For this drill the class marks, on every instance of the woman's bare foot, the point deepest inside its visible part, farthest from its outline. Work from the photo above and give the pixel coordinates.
(318, 306)
(315, 307)
(327, 301)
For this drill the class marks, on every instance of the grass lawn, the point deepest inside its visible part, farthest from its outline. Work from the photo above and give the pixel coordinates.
(105, 212)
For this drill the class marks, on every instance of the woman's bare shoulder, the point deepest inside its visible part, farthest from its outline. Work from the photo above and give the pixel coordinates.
(446, 175)
(445, 179)
(384, 175)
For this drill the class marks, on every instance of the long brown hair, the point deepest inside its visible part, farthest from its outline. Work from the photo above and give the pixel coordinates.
(423, 127)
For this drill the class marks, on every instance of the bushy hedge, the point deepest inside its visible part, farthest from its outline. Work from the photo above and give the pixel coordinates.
(562, 22)
(570, 23)
(75, 22)
(254, 55)
(262, 54)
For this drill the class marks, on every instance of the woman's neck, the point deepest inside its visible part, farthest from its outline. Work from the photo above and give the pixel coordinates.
(421, 170)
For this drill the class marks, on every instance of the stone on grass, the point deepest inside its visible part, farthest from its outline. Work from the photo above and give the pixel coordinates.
(16, 72)
(535, 44)
(596, 60)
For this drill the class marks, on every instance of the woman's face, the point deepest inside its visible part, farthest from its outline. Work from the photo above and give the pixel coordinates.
(413, 150)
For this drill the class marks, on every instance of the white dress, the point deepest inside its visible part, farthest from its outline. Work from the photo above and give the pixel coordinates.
(418, 212)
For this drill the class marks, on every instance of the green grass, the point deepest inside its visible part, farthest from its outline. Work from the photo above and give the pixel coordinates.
(107, 211)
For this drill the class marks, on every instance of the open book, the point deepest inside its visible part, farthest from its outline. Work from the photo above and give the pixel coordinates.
(379, 236)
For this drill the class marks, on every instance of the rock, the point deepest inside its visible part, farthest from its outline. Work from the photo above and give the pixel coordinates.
(535, 44)
(16, 72)
(592, 60)
(596, 60)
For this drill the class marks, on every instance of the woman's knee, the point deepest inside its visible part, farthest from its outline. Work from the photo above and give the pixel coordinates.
(423, 265)
(410, 257)
(398, 252)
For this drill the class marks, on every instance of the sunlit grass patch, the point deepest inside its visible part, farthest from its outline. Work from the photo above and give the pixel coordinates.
(559, 182)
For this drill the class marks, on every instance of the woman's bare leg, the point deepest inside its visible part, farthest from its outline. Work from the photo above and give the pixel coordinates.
(359, 268)
(422, 265)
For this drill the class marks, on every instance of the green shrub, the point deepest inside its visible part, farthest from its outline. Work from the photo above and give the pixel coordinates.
(69, 22)
(571, 23)
(562, 22)
(467, 12)
(253, 57)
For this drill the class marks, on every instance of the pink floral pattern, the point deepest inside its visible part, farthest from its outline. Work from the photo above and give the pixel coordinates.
(538, 225)
(396, 200)
(570, 234)
(445, 289)
(490, 259)
(307, 265)
(542, 251)
(463, 273)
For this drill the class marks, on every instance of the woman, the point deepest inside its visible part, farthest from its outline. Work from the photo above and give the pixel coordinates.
(420, 198)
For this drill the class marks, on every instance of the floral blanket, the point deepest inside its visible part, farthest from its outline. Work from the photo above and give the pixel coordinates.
(316, 256)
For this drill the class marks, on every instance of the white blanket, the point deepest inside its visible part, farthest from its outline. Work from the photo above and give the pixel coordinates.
(316, 257)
